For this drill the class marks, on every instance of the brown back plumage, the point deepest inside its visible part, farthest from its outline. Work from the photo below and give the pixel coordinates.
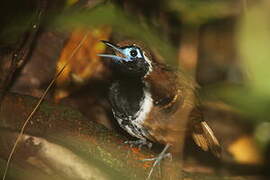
(179, 113)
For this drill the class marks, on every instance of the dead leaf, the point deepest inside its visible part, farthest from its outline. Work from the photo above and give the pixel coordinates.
(85, 64)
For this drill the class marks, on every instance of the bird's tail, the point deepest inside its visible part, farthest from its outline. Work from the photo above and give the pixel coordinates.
(204, 137)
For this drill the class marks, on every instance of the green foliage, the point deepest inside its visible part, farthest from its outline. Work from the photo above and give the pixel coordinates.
(254, 38)
(125, 24)
(253, 98)
(199, 12)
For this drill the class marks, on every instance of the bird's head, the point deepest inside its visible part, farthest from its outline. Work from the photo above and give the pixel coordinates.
(130, 58)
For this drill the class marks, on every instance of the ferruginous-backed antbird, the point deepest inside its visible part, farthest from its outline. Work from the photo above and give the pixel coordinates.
(154, 103)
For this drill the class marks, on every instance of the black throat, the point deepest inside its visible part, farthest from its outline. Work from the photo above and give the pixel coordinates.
(125, 96)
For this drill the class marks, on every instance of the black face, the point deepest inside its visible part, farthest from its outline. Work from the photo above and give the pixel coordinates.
(136, 67)
(130, 60)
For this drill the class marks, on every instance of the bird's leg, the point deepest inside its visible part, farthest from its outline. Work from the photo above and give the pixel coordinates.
(158, 159)
(139, 143)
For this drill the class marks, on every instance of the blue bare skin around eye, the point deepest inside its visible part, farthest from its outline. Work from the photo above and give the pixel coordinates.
(127, 51)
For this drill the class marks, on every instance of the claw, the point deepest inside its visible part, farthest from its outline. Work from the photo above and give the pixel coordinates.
(169, 155)
(158, 159)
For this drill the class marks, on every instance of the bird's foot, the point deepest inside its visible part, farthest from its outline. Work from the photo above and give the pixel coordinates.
(139, 143)
(157, 160)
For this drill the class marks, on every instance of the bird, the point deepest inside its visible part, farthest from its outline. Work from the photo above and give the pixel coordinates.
(155, 103)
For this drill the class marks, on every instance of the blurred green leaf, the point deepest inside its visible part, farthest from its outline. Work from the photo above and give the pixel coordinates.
(262, 134)
(254, 41)
(253, 98)
(251, 104)
(125, 24)
(198, 11)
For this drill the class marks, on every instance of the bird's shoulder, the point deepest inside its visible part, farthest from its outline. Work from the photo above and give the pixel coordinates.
(168, 86)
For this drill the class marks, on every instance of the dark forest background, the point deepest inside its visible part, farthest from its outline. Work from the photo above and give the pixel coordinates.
(223, 44)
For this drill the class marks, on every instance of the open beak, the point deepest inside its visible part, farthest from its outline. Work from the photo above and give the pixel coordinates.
(114, 57)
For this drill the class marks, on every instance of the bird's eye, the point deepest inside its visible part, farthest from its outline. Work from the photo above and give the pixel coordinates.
(133, 53)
